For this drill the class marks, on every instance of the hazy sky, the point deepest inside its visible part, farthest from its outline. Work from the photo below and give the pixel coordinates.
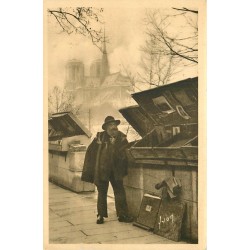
(126, 33)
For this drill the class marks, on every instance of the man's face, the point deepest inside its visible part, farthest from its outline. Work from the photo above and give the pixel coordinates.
(112, 129)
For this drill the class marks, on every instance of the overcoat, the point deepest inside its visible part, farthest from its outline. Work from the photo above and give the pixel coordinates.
(98, 163)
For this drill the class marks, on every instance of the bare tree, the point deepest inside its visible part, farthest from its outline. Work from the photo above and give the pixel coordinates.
(132, 76)
(174, 35)
(86, 21)
(171, 45)
(60, 100)
(157, 68)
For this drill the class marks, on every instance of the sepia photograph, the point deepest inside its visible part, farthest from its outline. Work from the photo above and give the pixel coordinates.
(124, 124)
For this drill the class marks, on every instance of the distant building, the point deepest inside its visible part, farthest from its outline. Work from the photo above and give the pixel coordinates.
(100, 86)
(100, 93)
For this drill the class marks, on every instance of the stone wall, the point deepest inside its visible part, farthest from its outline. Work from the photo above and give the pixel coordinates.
(65, 169)
(142, 178)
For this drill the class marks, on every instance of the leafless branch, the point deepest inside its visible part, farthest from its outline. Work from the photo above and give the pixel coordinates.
(59, 100)
(81, 20)
(186, 10)
(171, 45)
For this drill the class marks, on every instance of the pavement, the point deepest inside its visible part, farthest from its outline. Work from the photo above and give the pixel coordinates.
(72, 220)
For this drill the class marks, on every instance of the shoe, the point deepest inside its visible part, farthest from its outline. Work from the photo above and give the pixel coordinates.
(125, 218)
(99, 220)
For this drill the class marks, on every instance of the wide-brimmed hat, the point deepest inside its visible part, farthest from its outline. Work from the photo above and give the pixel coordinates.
(108, 120)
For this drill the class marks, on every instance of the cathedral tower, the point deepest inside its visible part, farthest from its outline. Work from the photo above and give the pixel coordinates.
(74, 74)
(104, 62)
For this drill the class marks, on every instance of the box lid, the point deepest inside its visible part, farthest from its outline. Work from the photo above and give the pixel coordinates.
(65, 124)
(138, 119)
(174, 103)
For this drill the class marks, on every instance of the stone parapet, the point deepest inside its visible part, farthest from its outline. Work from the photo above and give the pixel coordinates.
(65, 169)
(142, 178)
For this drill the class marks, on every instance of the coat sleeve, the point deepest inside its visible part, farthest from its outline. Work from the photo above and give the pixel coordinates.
(89, 162)
(123, 147)
(121, 157)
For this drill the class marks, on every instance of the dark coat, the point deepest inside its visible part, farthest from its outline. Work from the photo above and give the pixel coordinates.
(101, 158)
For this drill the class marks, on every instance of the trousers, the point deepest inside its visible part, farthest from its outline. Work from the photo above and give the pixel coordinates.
(120, 197)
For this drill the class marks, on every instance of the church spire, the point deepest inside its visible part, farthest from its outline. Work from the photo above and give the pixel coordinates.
(105, 63)
(104, 43)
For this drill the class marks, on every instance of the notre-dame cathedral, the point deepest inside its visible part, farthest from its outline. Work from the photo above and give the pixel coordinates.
(99, 94)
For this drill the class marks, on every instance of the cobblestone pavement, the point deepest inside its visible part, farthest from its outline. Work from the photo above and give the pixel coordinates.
(72, 220)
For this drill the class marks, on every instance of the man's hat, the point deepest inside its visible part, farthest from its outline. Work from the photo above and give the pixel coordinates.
(108, 120)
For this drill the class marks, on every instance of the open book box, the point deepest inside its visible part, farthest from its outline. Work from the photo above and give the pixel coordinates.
(68, 141)
(166, 118)
(65, 129)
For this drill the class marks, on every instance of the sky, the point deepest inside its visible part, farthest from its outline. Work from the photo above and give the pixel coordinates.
(126, 33)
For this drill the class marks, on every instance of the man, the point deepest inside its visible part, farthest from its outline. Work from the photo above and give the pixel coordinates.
(106, 161)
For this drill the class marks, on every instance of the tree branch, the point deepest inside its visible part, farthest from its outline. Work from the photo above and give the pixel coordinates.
(185, 9)
(82, 22)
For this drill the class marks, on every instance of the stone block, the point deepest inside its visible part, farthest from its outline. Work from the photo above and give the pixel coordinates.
(152, 176)
(134, 178)
(78, 185)
(53, 167)
(190, 222)
(134, 198)
(189, 182)
(76, 160)
(61, 174)
(63, 160)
